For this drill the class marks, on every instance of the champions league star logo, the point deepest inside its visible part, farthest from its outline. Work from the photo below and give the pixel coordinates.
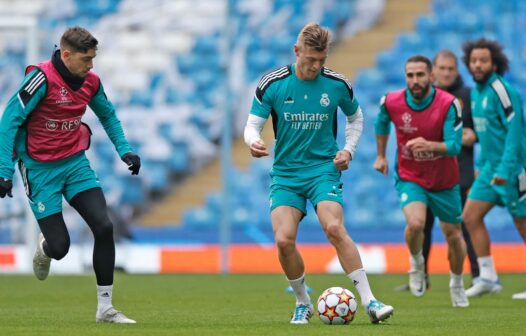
(406, 118)
(406, 127)
(63, 91)
(324, 101)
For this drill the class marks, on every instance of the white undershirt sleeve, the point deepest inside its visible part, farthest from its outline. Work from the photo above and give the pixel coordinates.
(253, 129)
(353, 131)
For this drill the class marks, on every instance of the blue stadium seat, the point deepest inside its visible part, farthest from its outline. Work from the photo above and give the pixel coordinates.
(200, 218)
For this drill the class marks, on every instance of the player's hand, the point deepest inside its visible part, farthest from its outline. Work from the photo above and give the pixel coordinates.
(258, 149)
(497, 180)
(5, 187)
(133, 161)
(418, 145)
(342, 159)
(381, 165)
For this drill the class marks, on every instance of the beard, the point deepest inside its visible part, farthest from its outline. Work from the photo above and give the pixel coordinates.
(423, 91)
(484, 78)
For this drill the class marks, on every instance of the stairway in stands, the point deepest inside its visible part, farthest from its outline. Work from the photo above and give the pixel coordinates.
(350, 55)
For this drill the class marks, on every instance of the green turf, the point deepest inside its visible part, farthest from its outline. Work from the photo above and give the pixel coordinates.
(243, 305)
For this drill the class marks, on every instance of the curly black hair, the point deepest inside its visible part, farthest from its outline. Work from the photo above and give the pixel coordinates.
(498, 57)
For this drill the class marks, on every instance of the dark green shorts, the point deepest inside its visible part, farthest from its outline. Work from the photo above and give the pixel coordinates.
(512, 195)
(46, 186)
(295, 191)
(445, 204)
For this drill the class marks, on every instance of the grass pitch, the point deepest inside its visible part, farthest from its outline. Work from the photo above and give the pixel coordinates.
(243, 305)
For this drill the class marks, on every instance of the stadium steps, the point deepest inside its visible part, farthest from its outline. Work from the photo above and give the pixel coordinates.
(192, 192)
(358, 52)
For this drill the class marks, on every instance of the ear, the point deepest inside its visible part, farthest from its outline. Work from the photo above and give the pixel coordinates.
(296, 50)
(65, 53)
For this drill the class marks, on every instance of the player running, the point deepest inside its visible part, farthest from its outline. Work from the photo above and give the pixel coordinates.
(428, 134)
(499, 124)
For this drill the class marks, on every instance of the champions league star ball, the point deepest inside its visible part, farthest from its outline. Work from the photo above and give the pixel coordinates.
(337, 305)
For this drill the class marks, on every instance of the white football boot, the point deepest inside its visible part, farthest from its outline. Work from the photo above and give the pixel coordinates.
(112, 315)
(417, 280)
(302, 313)
(519, 296)
(484, 286)
(458, 297)
(378, 312)
(41, 261)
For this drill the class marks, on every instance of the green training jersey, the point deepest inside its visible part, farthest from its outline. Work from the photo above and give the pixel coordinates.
(304, 118)
(499, 123)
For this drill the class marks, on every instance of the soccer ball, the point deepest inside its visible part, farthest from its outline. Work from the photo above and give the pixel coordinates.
(337, 305)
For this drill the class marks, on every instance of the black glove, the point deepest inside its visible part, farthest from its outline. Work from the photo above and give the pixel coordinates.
(133, 161)
(5, 187)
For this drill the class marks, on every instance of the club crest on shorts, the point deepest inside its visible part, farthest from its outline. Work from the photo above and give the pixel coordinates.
(41, 207)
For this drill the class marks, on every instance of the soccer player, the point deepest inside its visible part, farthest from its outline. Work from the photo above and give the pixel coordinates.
(41, 128)
(428, 132)
(447, 77)
(499, 124)
(303, 99)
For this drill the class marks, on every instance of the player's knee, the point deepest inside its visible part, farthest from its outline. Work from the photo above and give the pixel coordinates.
(58, 248)
(471, 218)
(285, 244)
(453, 235)
(334, 232)
(103, 229)
(415, 224)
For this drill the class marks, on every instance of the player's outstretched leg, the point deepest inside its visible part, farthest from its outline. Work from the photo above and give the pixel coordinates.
(379, 312)
(41, 262)
(112, 315)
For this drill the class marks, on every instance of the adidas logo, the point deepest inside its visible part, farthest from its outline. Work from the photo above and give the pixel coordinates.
(289, 100)
(105, 294)
(355, 282)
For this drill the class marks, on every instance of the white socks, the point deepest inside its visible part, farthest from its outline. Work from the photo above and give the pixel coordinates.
(456, 280)
(417, 261)
(300, 290)
(359, 279)
(487, 268)
(104, 294)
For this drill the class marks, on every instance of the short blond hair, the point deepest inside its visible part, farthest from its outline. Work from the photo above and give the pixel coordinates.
(314, 36)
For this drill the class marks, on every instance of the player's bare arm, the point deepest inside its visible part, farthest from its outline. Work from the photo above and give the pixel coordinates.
(381, 164)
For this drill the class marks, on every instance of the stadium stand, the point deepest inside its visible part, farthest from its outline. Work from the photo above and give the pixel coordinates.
(159, 61)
